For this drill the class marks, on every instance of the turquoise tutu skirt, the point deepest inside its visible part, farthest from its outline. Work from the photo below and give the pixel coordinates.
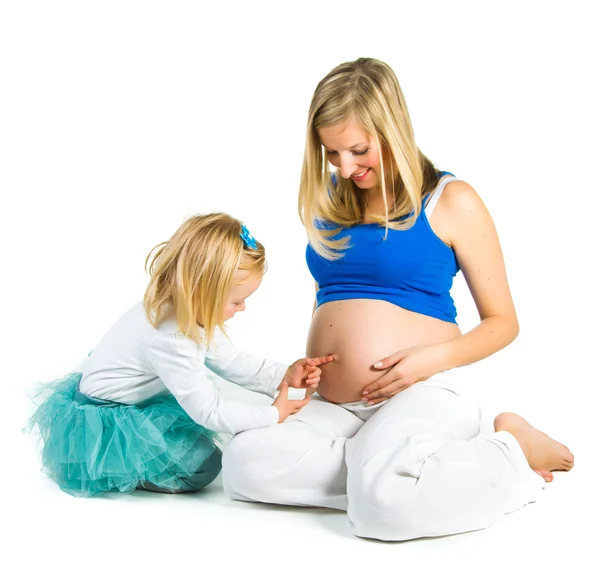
(92, 446)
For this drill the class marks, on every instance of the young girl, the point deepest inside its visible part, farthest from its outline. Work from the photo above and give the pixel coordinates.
(143, 411)
(390, 438)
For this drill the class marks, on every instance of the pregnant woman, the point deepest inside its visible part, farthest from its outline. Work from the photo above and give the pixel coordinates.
(389, 438)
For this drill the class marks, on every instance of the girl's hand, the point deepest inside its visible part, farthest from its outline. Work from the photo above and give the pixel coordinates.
(285, 406)
(404, 368)
(305, 372)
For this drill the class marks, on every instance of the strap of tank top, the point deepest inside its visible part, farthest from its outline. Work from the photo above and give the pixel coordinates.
(435, 196)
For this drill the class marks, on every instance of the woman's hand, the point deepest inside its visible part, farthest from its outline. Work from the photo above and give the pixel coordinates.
(404, 368)
(305, 372)
(285, 406)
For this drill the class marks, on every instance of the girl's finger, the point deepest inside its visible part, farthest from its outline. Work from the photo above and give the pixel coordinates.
(320, 360)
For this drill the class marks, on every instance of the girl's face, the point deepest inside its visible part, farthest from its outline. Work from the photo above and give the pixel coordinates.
(354, 152)
(243, 286)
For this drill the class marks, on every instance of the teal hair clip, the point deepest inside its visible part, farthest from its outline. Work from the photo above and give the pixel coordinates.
(248, 238)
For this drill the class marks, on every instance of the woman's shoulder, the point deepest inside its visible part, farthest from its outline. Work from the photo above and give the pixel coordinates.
(460, 197)
(460, 214)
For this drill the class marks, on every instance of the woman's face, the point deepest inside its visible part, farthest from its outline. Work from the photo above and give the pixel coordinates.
(354, 152)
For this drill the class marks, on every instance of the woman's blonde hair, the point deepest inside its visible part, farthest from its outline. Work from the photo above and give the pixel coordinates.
(192, 273)
(367, 90)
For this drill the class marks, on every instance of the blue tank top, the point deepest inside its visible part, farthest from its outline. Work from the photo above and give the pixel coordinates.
(413, 269)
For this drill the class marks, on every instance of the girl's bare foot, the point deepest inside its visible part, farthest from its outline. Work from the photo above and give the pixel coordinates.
(542, 452)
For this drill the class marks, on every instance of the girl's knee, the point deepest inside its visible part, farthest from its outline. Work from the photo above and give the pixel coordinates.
(177, 483)
(207, 472)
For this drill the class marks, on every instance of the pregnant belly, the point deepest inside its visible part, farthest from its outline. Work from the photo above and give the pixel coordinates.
(360, 332)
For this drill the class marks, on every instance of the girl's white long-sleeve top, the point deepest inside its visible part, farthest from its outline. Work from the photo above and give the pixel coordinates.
(135, 361)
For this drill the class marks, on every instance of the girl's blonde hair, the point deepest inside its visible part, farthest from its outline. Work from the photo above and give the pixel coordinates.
(367, 90)
(192, 273)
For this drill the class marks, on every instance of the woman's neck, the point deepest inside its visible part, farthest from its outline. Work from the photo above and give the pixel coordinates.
(376, 206)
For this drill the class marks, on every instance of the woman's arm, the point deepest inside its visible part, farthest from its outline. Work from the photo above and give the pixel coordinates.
(464, 223)
(473, 237)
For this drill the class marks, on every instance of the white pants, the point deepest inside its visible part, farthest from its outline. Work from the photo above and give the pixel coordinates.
(411, 468)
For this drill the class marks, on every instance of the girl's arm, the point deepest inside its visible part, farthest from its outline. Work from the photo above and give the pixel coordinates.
(245, 369)
(179, 363)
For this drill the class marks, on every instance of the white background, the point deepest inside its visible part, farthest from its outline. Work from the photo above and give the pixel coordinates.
(118, 120)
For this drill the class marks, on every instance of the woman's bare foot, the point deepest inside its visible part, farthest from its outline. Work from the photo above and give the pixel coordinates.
(547, 475)
(542, 452)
